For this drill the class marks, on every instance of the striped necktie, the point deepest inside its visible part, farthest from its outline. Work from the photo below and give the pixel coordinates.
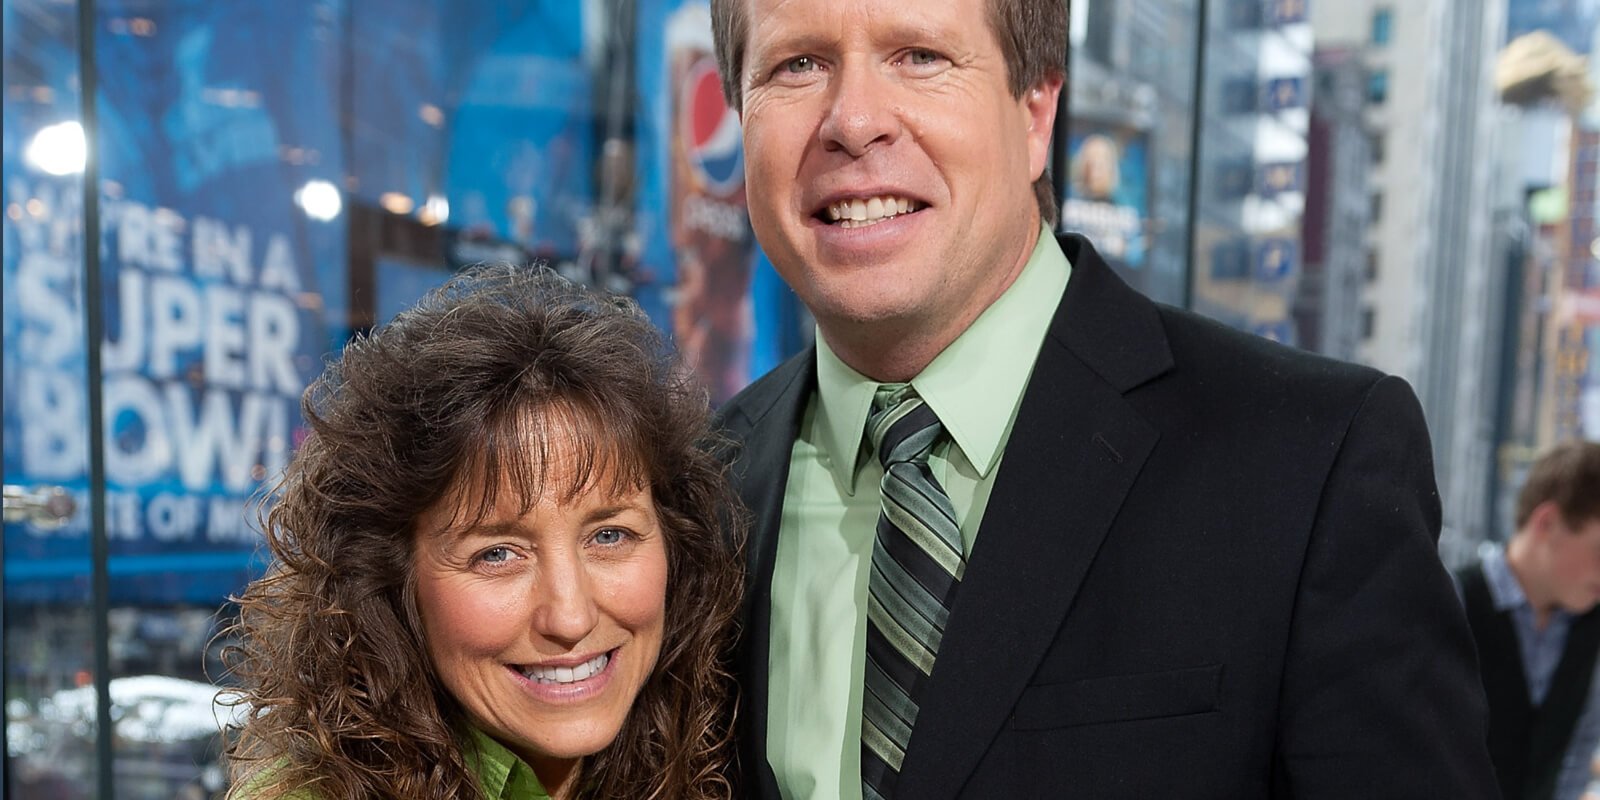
(916, 566)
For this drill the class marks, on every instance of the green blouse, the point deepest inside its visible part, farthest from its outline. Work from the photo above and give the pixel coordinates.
(501, 773)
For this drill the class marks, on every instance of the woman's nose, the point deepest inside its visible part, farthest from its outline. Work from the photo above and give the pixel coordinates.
(565, 609)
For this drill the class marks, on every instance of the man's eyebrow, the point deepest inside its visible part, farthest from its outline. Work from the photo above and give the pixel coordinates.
(787, 42)
(904, 33)
(901, 34)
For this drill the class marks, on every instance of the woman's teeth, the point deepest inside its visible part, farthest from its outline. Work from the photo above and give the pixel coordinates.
(860, 213)
(583, 671)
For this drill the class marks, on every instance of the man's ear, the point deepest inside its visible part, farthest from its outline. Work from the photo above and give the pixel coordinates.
(1545, 520)
(1039, 103)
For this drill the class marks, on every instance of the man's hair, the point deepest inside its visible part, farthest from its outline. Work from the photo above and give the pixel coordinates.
(1568, 475)
(455, 396)
(1032, 36)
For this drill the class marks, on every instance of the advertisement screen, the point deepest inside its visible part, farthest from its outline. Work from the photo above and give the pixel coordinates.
(1107, 195)
(725, 307)
(217, 197)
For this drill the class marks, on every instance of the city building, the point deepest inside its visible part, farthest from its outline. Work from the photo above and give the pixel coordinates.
(1433, 299)
(1252, 165)
(1329, 317)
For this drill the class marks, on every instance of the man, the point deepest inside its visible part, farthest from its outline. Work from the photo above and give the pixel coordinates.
(1532, 609)
(1117, 550)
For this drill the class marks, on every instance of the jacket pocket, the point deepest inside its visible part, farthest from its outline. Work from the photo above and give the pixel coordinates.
(1119, 698)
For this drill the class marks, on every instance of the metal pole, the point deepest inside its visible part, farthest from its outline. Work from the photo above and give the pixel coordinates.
(93, 334)
(1060, 143)
(1197, 120)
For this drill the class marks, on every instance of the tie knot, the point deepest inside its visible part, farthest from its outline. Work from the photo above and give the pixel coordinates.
(901, 427)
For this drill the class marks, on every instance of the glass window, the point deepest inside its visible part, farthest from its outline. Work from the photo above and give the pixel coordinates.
(49, 623)
(1378, 87)
(1382, 26)
(1131, 114)
(273, 178)
(1247, 258)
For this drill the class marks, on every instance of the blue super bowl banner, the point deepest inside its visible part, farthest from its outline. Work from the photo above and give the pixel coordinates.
(717, 294)
(519, 114)
(223, 272)
(45, 408)
(238, 143)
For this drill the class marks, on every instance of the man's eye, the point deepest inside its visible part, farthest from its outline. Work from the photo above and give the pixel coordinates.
(801, 64)
(923, 56)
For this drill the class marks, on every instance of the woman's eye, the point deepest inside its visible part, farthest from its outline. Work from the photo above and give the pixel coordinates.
(609, 536)
(801, 64)
(496, 555)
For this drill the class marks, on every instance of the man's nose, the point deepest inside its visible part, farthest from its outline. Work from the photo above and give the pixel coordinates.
(860, 113)
(565, 610)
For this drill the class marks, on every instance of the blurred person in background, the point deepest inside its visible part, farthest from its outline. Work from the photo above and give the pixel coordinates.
(1020, 531)
(1532, 607)
(502, 564)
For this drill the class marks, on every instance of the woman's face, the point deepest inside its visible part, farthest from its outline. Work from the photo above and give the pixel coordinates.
(544, 626)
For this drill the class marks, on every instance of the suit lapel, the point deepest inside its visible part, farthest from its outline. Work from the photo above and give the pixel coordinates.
(1075, 451)
(765, 423)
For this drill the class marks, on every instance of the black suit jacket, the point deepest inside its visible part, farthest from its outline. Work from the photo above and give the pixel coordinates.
(1207, 569)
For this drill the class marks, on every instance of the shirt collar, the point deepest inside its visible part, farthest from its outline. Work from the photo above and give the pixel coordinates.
(974, 385)
(1504, 589)
(501, 773)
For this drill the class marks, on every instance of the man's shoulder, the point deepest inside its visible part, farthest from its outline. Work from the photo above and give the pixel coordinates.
(1232, 360)
(747, 408)
(1130, 338)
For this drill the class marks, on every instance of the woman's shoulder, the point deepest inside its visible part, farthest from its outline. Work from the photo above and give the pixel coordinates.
(264, 783)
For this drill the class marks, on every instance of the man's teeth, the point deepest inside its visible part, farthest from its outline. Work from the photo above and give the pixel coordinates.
(860, 213)
(583, 671)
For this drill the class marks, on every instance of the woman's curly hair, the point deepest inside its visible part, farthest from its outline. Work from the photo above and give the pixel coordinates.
(329, 657)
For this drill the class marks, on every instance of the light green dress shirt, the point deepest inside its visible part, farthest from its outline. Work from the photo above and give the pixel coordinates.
(830, 510)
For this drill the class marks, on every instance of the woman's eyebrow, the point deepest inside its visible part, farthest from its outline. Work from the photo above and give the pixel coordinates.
(479, 529)
(612, 510)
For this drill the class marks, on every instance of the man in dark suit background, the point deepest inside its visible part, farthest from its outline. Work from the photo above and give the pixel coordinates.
(1534, 608)
(1020, 532)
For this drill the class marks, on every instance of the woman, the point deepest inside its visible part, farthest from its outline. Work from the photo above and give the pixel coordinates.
(502, 564)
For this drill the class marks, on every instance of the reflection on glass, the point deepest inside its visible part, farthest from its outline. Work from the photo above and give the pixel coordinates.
(274, 178)
(1131, 113)
(1253, 150)
(50, 732)
(58, 149)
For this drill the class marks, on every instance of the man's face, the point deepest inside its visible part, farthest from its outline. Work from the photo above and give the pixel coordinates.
(1574, 564)
(889, 167)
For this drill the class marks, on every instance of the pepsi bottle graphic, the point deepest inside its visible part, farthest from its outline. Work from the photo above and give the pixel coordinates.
(712, 319)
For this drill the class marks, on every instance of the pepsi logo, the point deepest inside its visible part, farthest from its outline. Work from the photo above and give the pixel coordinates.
(709, 129)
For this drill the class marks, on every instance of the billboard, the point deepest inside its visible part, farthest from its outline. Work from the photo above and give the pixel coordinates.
(238, 143)
(725, 307)
(1108, 190)
(220, 294)
(520, 120)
